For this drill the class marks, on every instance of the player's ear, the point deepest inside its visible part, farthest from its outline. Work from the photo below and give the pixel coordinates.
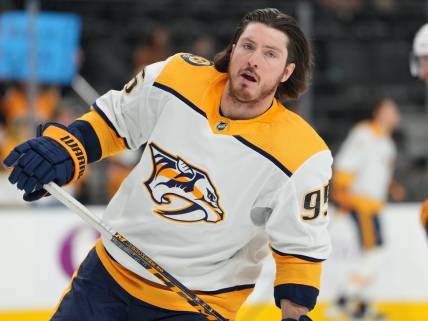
(288, 71)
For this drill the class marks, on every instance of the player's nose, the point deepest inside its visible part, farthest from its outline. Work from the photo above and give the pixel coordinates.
(254, 59)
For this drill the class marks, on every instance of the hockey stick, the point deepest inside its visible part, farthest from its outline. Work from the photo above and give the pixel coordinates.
(130, 249)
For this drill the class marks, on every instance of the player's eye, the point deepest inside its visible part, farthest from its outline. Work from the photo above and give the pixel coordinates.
(247, 46)
(270, 54)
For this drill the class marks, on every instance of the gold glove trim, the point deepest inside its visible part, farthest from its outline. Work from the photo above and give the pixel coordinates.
(73, 146)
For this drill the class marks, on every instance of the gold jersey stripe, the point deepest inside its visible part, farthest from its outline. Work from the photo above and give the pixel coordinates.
(365, 205)
(73, 146)
(292, 270)
(227, 304)
(110, 143)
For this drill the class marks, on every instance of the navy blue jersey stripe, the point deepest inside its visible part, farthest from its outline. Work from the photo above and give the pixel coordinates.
(181, 97)
(89, 139)
(302, 257)
(375, 231)
(356, 220)
(265, 154)
(298, 293)
(225, 290)
(108, 122)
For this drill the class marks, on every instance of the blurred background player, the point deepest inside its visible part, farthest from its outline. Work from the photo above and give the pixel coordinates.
(419, 68)
(362, 178)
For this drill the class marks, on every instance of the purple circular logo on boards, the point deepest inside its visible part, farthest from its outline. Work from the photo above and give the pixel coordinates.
(67, 248)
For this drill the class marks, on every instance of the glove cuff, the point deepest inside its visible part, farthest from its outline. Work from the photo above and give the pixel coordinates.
(73, 146)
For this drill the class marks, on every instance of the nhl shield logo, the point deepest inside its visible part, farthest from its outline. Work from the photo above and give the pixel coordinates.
(221, 125)
(180, 191)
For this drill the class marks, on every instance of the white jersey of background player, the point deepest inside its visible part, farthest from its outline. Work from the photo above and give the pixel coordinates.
(226, 170)
(365, 161)
(363, 174)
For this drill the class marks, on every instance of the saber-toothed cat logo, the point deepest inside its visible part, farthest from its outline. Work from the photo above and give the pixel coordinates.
(181, 191)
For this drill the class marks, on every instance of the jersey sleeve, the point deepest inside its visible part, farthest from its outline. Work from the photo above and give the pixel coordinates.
(123, 119)
(297, 228)
(132, 112)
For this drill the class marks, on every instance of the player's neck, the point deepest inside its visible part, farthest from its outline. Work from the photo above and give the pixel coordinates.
(381, 128)
(233, 108)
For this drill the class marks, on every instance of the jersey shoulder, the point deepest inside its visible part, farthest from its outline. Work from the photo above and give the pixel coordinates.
(369, 130)
(362, 127)
(297, 141)
(187, 76)
(290, 141)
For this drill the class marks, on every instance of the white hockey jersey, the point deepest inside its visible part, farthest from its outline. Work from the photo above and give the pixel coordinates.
(210, 193)
(367, 156)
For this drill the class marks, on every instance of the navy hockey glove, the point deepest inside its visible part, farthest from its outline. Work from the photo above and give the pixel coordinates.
(302, 318)
(55, 155)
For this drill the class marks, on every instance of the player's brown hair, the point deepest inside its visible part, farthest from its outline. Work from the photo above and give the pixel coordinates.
(299, 50)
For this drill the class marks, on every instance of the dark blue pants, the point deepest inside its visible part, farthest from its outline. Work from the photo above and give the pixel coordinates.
(95, 296)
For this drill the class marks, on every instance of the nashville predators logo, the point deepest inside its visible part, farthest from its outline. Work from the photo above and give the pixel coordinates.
(182, 191)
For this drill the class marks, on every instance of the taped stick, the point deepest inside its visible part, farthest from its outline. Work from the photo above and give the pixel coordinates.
(120, 241)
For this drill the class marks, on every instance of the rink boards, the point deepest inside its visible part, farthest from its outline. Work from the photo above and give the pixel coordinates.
(42, 246)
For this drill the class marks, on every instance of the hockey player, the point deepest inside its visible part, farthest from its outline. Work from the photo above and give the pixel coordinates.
(226, 170)
(419, 68)
(362, 178)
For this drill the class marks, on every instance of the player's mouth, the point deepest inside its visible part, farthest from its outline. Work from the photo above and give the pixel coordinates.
(249, 76)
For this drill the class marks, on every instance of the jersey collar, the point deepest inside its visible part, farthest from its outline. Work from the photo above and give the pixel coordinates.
(220, 124)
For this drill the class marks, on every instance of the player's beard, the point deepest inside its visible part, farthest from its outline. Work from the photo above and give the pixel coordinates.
(244, 96)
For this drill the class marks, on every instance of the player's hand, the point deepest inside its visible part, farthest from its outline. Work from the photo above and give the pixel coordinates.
(39, 161)
(397, 192)
(293, 312)
(342, 199)
(302, 318)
